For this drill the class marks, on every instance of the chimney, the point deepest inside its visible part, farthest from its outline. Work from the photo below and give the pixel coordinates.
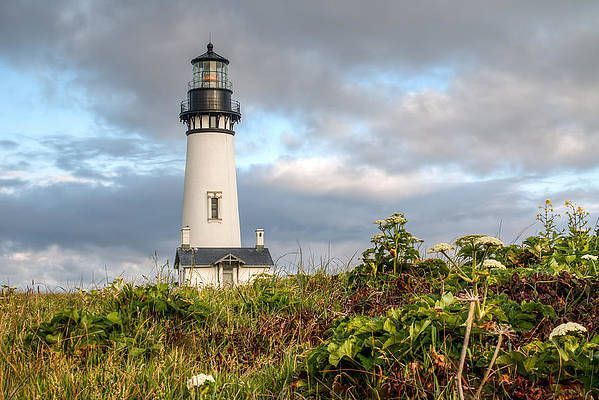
(185, 233)
(259, 239)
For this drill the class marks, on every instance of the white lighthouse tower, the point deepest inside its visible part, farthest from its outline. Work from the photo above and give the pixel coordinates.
(210, 250)
(210, 195)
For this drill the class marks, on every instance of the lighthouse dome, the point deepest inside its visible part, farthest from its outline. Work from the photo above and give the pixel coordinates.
(210, 55)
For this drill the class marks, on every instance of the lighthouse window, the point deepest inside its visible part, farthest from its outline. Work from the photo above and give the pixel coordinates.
(214, 199)
(210, 74)
(214, 208)
(213, 121)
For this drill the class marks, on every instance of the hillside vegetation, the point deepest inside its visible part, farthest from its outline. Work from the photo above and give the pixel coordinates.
(475, 318)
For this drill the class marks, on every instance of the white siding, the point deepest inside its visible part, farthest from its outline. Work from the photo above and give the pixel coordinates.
(248, 273)
(212, 276)
(200, 276)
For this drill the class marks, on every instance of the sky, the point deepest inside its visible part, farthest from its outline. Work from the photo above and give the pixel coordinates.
(464, 115)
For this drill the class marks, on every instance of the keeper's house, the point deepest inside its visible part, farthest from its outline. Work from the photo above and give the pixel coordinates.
(220, 267)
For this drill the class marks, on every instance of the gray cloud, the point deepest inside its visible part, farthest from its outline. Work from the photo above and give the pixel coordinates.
(8, 144)
(122, 225)
(96, 157)
(72, 214)
(519, 100)
(484, 122)
(133, 62)
(6, 183)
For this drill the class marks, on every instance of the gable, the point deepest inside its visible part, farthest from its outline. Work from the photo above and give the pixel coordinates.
(229, 258)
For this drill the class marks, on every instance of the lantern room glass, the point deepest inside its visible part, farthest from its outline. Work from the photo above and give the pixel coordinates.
(210, 74)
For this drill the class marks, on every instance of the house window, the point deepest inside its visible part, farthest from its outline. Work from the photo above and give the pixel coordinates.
(214, 206)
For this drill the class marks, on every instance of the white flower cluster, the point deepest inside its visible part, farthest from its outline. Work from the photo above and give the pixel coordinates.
(488, 241)
(589, 257)
(199, 380)
(377, 237)
(395, 218)
(440, 248)
(493, 264)
(566, 329)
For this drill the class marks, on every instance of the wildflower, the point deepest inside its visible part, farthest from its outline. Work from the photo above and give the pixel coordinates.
(467, 239)
(379, 222)
(488, 241)
(396, 218)
(493, 264)
(199, 380)
(440, 248)
(589, 257)
(377, 237)
(567, 329)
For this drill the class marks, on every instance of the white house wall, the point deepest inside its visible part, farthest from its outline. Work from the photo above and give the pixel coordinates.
(247, 274)
(203, 276)
(211, 276)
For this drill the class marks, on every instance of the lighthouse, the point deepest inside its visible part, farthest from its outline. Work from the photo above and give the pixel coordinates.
(210, 251)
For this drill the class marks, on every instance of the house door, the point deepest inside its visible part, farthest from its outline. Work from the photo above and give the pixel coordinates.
(229, 272)
(228, 276)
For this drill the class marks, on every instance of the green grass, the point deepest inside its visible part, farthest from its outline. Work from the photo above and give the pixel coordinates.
(250, 342)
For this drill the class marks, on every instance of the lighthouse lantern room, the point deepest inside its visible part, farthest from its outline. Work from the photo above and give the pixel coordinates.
(210, 251)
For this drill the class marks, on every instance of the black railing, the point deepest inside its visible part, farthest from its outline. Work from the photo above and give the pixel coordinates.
(212, 106)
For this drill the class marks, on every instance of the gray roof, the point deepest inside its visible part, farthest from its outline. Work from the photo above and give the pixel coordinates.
(210, 255)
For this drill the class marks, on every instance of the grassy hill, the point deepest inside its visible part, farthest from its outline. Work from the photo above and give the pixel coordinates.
(472, 319)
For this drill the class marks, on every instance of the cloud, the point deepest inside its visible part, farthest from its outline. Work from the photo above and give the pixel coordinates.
(56, 268)
(8, 144)
(133, 62)
(371, 125)
(6, 183)
(486, 122)
(337, 176)
(76, 228)
(137, 213)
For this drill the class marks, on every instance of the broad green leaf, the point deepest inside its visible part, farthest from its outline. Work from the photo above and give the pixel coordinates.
(389, 326)
(346, 349)
(530, 364)
(365, 361)
(446, 300)
(51, 339)
(114, 317)
(393, 340)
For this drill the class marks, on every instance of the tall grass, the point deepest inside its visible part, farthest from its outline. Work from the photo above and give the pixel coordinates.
(252, 342)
